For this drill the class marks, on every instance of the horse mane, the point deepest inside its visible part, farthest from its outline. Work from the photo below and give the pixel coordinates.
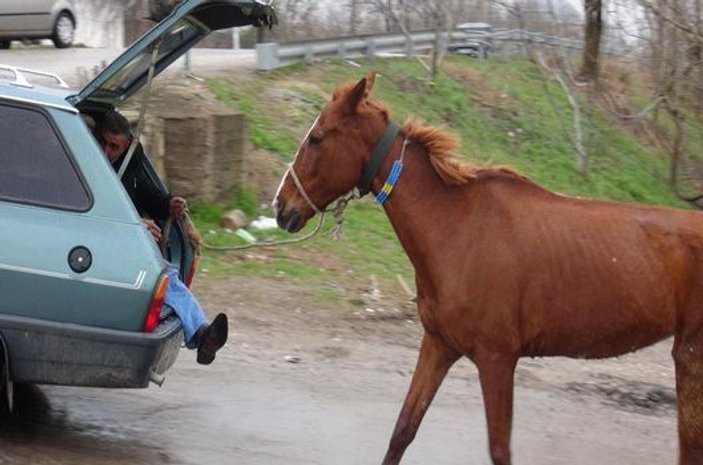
(440, 146)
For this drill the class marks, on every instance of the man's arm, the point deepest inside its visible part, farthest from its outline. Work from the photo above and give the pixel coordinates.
(146, 195)
(149, 198)
(153, 228)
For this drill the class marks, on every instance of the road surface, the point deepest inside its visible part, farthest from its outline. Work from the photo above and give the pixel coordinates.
(73, 63)
(338, 403)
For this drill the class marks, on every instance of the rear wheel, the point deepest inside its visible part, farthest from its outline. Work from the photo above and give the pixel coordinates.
(64, 30)
(6, 387)
(4, 44)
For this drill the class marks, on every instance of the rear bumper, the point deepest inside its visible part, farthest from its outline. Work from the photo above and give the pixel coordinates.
(45, 352)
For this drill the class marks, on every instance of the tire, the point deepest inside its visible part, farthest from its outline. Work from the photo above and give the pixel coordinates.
(4, 44)
(6, 389)
(64, 30)
(5, 412)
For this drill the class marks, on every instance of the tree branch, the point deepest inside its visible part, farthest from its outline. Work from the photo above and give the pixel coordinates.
(576, 137)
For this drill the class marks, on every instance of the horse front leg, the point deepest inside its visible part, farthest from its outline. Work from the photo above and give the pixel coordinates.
(496, 373)
(688, 357)
(433, 363)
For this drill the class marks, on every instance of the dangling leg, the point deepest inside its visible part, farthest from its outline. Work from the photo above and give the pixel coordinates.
(688, 357)
(496, 373)
(206, 338)
(433, 363)
(186, 306)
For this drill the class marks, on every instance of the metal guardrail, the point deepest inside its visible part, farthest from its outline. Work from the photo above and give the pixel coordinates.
(496, 41)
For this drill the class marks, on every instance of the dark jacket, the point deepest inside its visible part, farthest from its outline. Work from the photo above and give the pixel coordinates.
(149, 199)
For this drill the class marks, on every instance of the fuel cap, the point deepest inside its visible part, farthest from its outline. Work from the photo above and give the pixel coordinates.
(80, 259)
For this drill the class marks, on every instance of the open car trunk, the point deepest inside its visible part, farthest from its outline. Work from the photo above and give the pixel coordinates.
(187, 24)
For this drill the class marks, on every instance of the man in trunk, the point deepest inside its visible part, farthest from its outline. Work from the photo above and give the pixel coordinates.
(115, 136)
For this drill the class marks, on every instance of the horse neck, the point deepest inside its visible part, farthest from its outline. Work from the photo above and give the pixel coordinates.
(419, 205)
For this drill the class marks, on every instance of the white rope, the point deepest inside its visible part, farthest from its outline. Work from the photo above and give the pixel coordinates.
(222, 248)
(285, 175)
(301, 190)
(337, 231)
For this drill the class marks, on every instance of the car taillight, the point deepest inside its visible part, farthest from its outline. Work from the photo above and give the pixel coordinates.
(191, 272)
(157, 301)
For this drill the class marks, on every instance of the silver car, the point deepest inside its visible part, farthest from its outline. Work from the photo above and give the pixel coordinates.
(37, 19)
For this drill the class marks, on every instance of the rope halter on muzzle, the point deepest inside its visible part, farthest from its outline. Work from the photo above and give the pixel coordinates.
(381, 150)
(342, 202)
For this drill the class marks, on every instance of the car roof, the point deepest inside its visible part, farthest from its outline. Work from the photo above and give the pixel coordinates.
(38, 95)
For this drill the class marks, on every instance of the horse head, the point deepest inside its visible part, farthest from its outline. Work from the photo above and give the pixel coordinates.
(331, 156)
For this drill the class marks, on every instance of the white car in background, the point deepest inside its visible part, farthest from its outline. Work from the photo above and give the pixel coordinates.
(37, 19)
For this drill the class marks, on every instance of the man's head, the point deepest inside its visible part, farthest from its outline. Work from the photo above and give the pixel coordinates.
(114, 135)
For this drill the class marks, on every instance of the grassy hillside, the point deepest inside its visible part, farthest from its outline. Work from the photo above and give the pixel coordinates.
(502, 113)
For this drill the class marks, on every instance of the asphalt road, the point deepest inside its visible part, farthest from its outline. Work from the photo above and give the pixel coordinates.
(337, 405)
(68, 63)
(268, 412)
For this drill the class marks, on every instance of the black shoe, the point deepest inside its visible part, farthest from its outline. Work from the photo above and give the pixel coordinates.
(212, 339)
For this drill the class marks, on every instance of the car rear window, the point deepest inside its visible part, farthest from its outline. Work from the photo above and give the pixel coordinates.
(35, 167)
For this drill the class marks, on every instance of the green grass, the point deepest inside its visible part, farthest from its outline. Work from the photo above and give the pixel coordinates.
(527, 128)
(369, 247)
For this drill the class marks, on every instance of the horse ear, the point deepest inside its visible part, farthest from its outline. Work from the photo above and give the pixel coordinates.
(370, 79)
(361, 91)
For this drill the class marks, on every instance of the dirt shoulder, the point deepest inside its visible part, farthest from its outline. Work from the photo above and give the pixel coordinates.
(348, 364)
(286, 321)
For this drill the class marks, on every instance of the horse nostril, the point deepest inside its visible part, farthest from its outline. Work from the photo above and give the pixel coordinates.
(278, 205)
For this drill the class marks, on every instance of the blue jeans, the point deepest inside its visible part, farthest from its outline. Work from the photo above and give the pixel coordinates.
(184, 303)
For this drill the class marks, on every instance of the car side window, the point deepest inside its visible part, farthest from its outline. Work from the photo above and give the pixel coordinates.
(35, 167)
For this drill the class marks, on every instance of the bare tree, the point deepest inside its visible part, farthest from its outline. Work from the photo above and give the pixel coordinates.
(440, 16)
(395, 13)
(592, 40)
(673, 35)
(437, 12)
(297, 19)
(159, 9)
(353, 6)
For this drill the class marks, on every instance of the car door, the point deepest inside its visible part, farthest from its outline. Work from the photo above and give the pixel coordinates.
(69, 253)
(25, 17)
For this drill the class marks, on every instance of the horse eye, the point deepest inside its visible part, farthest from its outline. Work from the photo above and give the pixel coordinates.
(314, 140)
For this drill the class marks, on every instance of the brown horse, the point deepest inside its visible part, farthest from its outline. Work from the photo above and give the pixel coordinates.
(505, 268)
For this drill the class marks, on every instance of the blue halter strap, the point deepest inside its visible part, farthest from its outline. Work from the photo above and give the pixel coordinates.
(388, 186)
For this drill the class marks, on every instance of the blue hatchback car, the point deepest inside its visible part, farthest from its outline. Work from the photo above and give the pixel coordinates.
(82, 281)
